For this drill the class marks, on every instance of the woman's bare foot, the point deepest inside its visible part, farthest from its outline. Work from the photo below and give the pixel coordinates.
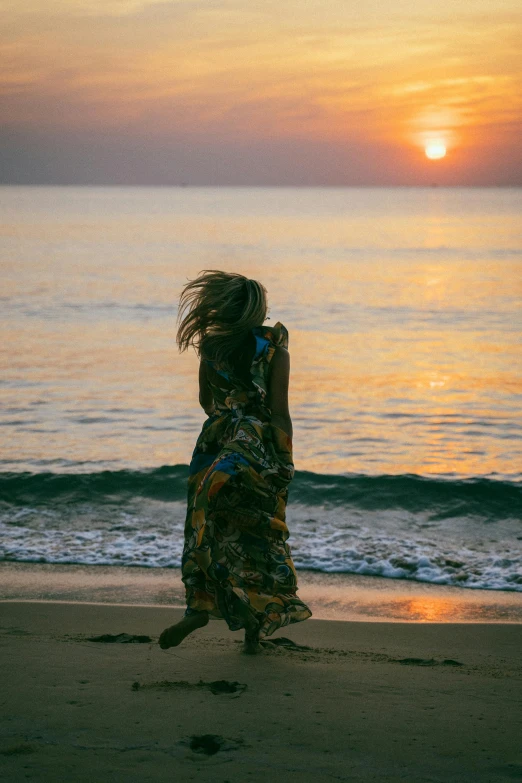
(251, 644)
(175, 634)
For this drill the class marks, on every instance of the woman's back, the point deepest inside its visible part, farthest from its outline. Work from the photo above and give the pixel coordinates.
(245, 386)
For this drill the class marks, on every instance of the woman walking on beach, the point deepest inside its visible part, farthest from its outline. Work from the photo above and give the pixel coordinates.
(236, 562)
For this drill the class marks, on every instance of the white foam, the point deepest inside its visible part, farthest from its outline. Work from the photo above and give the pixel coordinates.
(387, 544)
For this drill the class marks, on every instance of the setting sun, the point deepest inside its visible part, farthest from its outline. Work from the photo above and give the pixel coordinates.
(435, 150)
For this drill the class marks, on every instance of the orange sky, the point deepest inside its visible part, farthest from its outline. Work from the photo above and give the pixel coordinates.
(240, 92)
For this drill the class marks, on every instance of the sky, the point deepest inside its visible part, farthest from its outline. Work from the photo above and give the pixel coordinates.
(259, 92)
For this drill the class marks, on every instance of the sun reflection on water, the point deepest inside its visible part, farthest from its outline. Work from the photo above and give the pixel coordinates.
(428, 609)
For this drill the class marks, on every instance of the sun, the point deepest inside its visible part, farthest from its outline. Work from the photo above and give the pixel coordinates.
(435, 150)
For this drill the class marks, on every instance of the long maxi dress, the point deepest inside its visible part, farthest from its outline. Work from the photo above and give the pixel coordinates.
(236, 560)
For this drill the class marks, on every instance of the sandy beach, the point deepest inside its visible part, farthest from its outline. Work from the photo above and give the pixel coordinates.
(351, 701)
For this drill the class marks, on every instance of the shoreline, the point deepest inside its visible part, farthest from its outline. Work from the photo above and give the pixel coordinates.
(345, 597)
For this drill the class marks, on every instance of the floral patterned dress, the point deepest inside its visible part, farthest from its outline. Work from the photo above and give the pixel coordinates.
(236, 561)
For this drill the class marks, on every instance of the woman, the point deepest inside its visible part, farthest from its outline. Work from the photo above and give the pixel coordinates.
(236, 562)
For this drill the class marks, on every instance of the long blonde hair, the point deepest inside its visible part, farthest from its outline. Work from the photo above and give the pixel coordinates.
(217, 310)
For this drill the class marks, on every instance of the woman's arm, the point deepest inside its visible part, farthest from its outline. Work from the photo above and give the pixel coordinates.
(206, 400)
(278, 390)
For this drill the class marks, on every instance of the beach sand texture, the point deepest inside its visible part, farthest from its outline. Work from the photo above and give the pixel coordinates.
(364, 701)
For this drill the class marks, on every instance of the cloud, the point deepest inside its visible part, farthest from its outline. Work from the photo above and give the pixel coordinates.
(324, 73)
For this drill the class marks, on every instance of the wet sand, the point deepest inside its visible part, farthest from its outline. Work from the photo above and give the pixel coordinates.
(365, 701)
(330, 596)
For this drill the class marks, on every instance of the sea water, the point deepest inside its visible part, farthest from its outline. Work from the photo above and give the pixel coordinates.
(404, 313)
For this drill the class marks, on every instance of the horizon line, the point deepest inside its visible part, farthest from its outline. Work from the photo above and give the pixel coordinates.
(185, 185)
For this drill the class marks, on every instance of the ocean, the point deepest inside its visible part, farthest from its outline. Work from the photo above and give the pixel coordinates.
(404, 313)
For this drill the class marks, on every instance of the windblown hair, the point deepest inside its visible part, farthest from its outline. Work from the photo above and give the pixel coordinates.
(217, 310)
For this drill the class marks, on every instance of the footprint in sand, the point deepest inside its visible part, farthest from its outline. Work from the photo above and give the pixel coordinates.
(217, 687)
(282, 641)
(120, 638)
(17, 750)
(428, 662)
(210, 744)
